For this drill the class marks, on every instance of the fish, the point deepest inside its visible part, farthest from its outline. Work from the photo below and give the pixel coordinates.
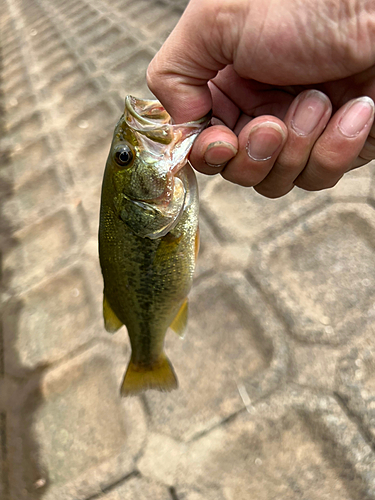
(148, 237)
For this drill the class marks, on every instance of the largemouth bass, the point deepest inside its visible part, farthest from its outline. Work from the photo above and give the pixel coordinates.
(148, 237)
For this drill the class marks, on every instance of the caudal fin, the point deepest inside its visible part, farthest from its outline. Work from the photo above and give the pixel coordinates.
(160, 377)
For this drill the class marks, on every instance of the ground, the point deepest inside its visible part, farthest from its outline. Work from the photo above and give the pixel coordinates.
(277, 369)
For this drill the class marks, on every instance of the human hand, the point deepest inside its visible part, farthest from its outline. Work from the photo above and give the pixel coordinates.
(250, 61)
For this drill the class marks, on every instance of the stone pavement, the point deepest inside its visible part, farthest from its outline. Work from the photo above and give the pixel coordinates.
(277, 370)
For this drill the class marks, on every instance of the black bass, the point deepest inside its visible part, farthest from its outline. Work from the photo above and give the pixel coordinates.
(148, 237)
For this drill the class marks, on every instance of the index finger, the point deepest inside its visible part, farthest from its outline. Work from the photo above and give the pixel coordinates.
(179, 72)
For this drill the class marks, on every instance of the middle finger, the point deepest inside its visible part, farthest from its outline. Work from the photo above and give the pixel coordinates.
(306, 119)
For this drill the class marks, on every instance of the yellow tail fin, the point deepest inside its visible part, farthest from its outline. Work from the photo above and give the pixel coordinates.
(160, 377)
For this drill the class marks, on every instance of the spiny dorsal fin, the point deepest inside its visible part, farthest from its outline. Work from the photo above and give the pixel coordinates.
(178, 325)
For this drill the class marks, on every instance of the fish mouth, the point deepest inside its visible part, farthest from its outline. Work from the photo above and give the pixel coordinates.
(150, 113)
(147, 112)
(149, 118)
(161, 142)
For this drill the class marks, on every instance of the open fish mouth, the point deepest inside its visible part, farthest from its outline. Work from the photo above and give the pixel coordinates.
(155, 128)
(149, 114)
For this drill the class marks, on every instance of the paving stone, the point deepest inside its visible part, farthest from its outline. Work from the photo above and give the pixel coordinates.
(49, 321)
(333, 304)
(91, 160)
(170, 454)
(26, 128)
(84, 17)
(253, 214)
(185, 493)
(3, 464)
(46, 48)
(238, 353)
(356, 384)
(92, 32)
(18, 106)
(372, 187)
(65, 80)
(33, 198)
(315, 365)
(296, 445)
(45, 37)
(71, 433)
(29, 157)
(140, 489)
(29, 262)
(163, 25)
(107, 38)
(79, 97)
(89, 123)
(57, 56)
(14, 70)
(355, 184)
(60, 62)
(121, 46)
(210, 248)
(132, 71)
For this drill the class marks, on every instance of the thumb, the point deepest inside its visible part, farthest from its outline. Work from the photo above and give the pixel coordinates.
(179, 72)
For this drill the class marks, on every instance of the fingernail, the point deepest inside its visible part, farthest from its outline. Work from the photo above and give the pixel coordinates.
(219, 153)
(310, 110)
(357, 116)
(264, 140)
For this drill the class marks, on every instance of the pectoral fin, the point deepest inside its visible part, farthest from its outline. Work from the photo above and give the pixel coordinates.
(111, 321)
(178, 325)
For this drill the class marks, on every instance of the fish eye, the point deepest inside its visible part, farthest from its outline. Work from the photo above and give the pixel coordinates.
(124, 156)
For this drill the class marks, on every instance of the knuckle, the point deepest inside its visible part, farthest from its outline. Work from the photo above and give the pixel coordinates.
(151, 75)
(332, 164)
(290, 166)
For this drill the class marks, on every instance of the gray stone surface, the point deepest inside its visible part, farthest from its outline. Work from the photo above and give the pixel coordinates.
(276, 371)
(330, 306)
(288, 447)
(140, 488)
(234, 345)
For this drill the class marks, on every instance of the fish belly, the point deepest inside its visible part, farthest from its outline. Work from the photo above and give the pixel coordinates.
(146, 281)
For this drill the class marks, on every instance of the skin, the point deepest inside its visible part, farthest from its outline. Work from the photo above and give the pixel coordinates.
(254, 62)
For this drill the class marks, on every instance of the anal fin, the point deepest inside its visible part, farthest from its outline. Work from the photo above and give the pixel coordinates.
(111, 321)
(179, 323)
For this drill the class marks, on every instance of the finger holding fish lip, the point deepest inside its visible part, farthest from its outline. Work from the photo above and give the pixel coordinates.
(260, 142)
(213, 148)
(245, 159)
